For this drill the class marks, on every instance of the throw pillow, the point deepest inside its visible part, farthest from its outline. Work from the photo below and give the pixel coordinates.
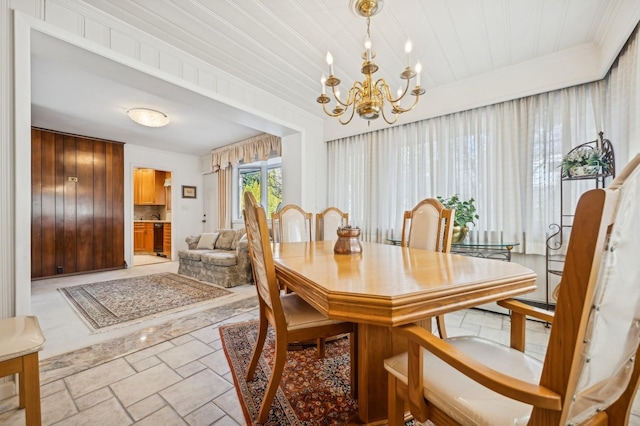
(207, 240)
(240, 233)
(226, 239)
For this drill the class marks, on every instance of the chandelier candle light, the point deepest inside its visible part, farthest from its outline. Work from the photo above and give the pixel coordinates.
(368, 97)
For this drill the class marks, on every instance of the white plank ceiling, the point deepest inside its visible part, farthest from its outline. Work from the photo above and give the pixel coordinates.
(280, 45)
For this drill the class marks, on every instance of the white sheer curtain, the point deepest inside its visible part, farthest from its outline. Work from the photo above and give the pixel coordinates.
(506, 156)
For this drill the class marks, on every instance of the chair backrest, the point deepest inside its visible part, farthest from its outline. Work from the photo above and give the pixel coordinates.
(291, 224)
(328, 221)
(264, 272)
(592, 349)
(428, 226)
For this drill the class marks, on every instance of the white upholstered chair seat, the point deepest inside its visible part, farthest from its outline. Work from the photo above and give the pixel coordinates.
(465, 400)
(299, 314)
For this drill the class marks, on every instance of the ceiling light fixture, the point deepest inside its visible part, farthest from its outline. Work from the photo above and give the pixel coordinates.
(148, 117)
(368, 97)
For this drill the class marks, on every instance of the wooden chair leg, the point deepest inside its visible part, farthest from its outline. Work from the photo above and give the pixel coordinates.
(442, 330)
(257, 350)
(22, 388)
(29, 383)
(280, 356)
(518, 331)
(395, 403)
(321, 347)
(353, 353)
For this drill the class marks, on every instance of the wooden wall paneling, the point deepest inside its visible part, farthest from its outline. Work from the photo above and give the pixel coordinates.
(100, 235)
(69, 208)
(77, 226)
(109, 207)
(84, 204)
(59, 211)
(36, 204)
(48, 242)
(118, 214)
(115, 204)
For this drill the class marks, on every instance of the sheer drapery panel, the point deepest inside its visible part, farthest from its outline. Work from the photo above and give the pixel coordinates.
(224, 198)
(506, 156)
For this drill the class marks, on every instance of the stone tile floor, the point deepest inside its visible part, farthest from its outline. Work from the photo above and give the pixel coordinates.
(176, 373)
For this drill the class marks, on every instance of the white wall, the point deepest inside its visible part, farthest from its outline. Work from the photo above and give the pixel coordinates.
(67, 20)
(186, 213)
(209, 195)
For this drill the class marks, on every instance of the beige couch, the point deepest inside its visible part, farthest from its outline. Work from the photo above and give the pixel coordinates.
(221, 259)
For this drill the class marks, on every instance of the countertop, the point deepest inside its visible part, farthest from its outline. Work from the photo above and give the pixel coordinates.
(150, 221)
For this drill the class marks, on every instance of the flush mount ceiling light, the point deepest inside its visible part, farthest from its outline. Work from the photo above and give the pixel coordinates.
(368, 97)
(148, 117)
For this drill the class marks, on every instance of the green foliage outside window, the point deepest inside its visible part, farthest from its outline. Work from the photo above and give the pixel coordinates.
(274, 189)
(250, 180)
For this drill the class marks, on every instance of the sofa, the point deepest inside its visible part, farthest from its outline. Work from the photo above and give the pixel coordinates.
(220, 257)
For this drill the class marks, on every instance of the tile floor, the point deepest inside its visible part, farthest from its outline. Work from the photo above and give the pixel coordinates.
(171, 371)
(147, 259)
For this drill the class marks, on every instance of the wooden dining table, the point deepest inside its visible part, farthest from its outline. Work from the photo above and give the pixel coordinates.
(386, 286)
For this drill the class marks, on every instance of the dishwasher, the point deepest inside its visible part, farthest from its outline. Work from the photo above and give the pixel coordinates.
(158, 238)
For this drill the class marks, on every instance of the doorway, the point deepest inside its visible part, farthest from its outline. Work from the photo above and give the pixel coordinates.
(151, 216)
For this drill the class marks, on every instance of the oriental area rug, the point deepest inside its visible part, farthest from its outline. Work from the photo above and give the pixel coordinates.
(312, 391)
(108, 304)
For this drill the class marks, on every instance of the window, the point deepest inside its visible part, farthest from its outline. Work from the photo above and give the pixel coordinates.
(251, 177)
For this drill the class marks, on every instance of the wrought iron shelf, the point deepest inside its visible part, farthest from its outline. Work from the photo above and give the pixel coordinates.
(556, 241)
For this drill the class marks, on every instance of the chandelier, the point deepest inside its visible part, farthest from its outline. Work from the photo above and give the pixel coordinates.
(368, 97)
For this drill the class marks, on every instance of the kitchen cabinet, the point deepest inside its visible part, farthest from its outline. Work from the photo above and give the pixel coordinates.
(167, 240)
(148, 187)
(143, 238)
(139, 237)
(148, 237)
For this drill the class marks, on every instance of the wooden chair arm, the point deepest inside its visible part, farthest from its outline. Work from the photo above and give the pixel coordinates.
(517, 389)
(528, 310)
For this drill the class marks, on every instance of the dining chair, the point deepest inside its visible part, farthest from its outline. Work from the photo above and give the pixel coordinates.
(291, 224)
(429, 226)
(589, 374)
(328, 222)
(20, 341)
(292, 319)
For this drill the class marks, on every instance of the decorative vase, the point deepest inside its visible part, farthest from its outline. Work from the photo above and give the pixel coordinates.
(348, 241)
(459, 233)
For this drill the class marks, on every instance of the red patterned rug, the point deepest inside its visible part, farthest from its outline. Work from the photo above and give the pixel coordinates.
(312, 391)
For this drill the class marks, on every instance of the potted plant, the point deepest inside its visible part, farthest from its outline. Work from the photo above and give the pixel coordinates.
(584, 161)
(465, 213)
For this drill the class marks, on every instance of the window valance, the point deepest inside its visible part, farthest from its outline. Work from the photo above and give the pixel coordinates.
(249, 150)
